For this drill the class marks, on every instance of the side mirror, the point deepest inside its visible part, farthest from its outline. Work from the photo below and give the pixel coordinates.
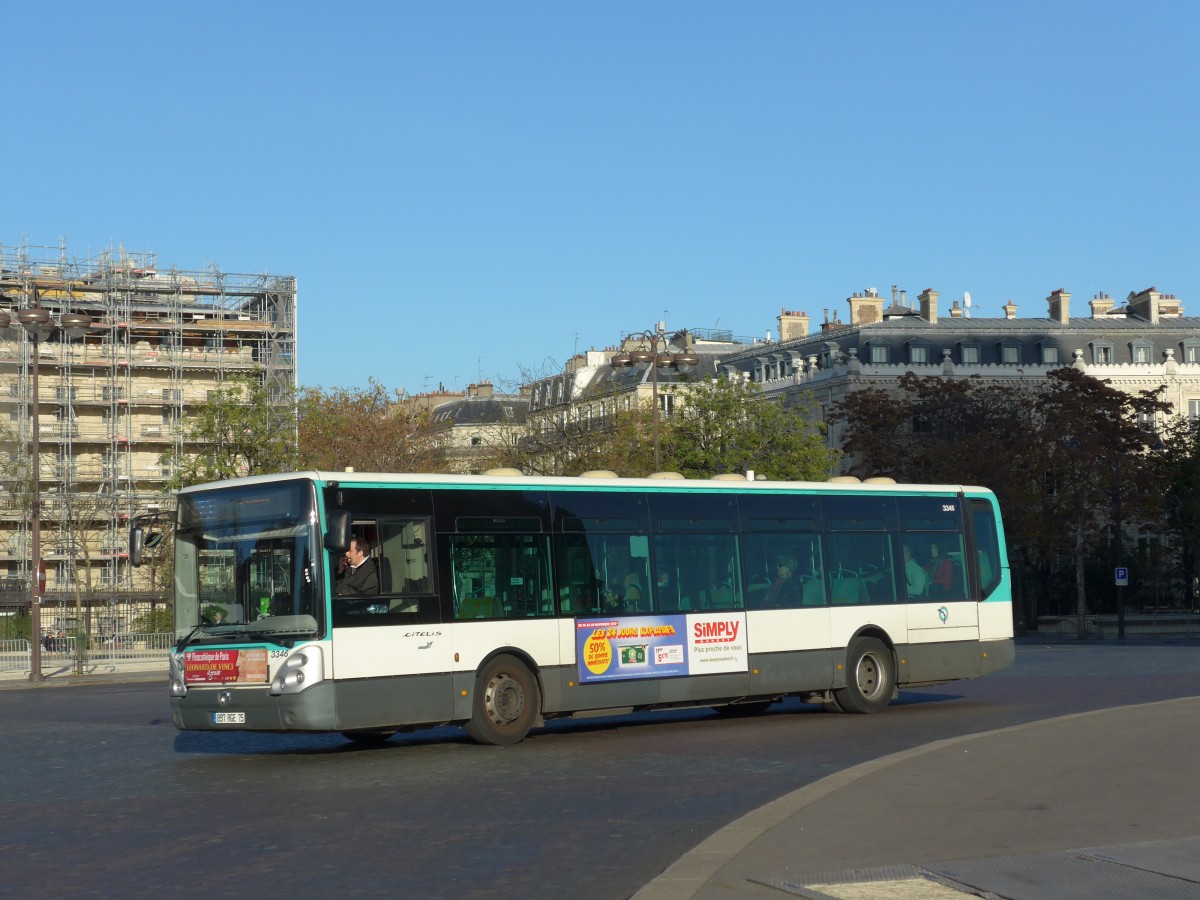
(337, 535)
(137, 540)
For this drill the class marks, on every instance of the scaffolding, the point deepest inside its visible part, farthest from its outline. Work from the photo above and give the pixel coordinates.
(113, 403)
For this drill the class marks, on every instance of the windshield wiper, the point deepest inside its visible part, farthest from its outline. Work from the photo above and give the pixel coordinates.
(183, 641)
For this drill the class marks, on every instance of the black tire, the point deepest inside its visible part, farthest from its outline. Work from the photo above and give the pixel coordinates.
(870, 677)
(505, 704)
(368, 738)
(831, 705)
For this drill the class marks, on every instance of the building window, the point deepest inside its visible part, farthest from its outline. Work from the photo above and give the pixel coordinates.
(1102, 354)
(1146, 421)
(1049, 356)
(1010, 355)
(918, 354)
(1191, 352)
(970, 356)
(1141, 353)
(1194, 409)
(879, 354)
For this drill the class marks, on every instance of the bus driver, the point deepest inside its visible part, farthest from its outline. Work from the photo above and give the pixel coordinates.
(356, 572)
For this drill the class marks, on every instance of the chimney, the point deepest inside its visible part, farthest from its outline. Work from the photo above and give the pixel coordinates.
(956, 311)
(483, 390)
(1169, 305)
(1060, 301)
(1144, 304)
(1101, 305)
(929, 299)
(792, 325)
(1010, 310)
(865, 308)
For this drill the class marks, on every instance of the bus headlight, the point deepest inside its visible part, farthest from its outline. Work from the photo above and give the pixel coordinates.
(304, 668)
(175, 675)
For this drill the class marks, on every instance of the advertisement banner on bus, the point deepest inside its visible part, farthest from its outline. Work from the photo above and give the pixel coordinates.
(609, 649)
(248, 666)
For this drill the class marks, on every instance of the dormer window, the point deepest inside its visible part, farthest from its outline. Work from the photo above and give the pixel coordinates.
(1191, 350)
(1049, 355)
(1141, 352)
(1010, 353)
(918, 354)
(1102, 353)
(970, 354)
(880, 353)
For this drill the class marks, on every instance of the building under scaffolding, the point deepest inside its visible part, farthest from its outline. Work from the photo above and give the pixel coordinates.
(111, 403)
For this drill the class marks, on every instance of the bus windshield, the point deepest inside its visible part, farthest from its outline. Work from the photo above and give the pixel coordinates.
(245, 569)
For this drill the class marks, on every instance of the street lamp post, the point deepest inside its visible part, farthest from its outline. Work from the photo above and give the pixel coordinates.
(648, 351)
(38, 325)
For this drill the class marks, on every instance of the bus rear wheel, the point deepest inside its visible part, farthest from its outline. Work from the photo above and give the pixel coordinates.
(506, 702)
(870, 677)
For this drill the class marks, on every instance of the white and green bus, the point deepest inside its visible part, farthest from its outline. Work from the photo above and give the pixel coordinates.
(501, 601)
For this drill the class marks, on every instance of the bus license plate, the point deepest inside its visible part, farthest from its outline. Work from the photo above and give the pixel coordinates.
(229, 718)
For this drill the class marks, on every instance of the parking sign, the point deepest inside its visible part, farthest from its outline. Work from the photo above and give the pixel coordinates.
(1122, 576)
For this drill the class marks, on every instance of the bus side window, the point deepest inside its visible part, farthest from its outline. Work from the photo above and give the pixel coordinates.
(696, 572)
(987, 546)
(404, 556)
(500, 576)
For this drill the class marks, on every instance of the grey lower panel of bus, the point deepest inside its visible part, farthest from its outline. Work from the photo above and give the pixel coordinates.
(939, 663)
(446, 697)
(310, 710)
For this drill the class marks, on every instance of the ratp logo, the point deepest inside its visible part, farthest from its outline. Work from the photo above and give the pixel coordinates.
(943, 614)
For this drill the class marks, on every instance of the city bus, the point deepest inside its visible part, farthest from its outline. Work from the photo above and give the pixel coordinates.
(501, 601)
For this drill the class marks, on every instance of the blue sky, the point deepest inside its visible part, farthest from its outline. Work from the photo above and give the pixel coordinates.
(481, 189)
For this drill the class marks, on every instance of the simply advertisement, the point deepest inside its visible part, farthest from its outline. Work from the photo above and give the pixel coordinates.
(610, 649)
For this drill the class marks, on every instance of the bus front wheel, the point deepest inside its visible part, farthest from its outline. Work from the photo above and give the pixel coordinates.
(505, 705)
(870, 677)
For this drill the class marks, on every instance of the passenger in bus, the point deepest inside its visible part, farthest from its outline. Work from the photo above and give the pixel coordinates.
(357, 573)
(786, 589)
(614, 600)
(914, 574)
(941, 573)
(633, 591)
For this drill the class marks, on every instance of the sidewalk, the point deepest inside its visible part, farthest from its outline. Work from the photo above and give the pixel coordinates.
(58, 670)
(1100, 804)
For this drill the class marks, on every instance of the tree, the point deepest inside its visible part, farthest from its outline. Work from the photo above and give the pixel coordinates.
(156, 621)
(570, 445)
(724, 425)
(1067, 457)
(242, 429)
(1102, 459)
(1181, 452)
(719, 425)
(371, 429)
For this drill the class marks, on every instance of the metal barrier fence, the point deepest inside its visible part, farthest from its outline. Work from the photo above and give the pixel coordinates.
(14, 657)
(102, 655)
(1149, 625)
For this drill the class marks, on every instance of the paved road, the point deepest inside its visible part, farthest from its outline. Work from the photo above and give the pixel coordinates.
(103, 795)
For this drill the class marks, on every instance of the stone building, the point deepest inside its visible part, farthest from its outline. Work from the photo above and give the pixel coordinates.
(1144, 343)
(591, 389)
(127, 349)
(475, 425)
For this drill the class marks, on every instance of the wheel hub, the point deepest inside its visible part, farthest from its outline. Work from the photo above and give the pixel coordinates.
(505, 700)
